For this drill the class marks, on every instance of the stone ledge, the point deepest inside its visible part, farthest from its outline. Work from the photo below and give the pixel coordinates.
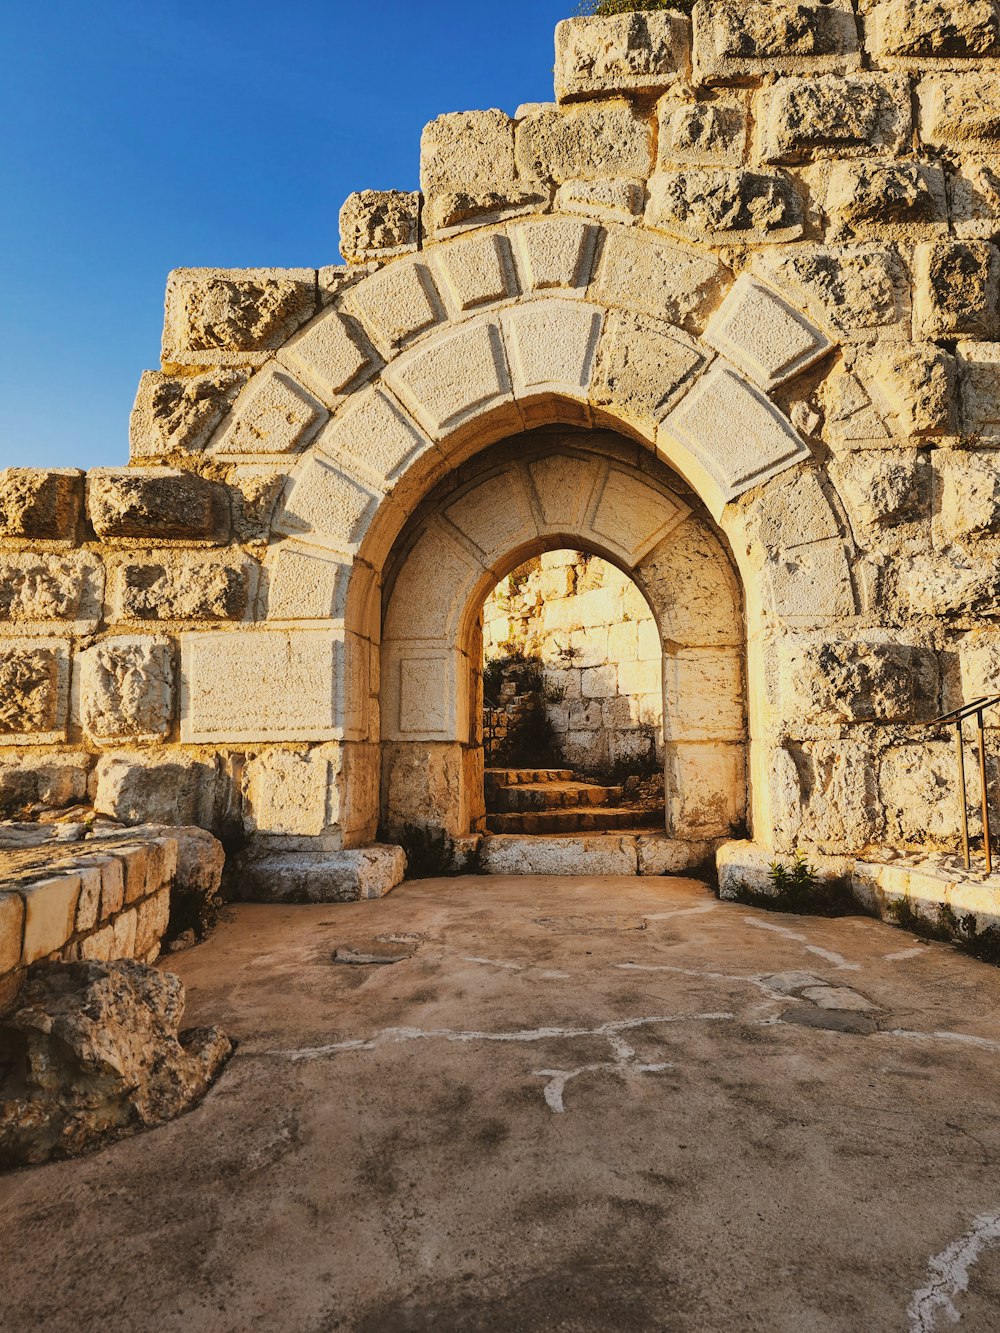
(936, 889)
(356, 875)
(591, 854)
(746, 866)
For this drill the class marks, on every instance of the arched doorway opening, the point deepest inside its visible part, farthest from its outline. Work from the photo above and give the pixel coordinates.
(538, 492)
(573, 734)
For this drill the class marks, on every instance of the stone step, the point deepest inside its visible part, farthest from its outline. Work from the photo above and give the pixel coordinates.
(573, 819)
(516, 777)
(552, 796)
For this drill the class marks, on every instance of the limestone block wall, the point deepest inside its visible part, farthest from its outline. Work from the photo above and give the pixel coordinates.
(594, 635)
(761, 243)
(100, 902)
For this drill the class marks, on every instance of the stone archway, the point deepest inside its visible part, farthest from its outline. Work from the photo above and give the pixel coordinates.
(537, 492)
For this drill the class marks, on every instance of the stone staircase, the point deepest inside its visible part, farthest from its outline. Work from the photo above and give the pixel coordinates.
(552, 800)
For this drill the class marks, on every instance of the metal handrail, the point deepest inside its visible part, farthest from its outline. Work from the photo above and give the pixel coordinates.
(957, 718)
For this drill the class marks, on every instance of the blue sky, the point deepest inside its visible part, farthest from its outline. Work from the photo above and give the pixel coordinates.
(141, 137)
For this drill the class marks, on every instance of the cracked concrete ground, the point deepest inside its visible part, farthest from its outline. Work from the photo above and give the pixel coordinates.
(590, 1104)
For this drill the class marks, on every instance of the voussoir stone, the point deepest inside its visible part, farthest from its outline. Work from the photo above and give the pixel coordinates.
(626, 53)
(157, 504)
(39, 504)
(103, 1057)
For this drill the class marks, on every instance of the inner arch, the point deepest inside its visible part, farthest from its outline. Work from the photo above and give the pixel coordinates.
(536, 492)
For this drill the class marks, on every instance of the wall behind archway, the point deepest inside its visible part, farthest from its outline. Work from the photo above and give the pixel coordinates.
(541, 492)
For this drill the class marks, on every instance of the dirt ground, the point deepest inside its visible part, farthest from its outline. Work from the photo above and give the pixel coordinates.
(604, 1104)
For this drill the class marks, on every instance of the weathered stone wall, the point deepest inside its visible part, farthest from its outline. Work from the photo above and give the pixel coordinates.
(596, 639)
(760, 242)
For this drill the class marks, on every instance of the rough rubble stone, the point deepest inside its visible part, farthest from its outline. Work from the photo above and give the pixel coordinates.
(234, 311)
(936, 28)
(957, 290)
(737, 42)
(959, 110)
(835, 682)
(918, 791)
(179, 414)
(184, 588)
(856, 292)
(639, 53)
(38, 504)
(467, 170)
(621, 198)
(979, 381)
(168, 788)
(56, 782)
(802, 119)
(376, 224)
(157, 505)
(591, 141)
(711, 133)
(39, 588)
(883, 488)
(127, 689)
(747, 205)
(254, 492)
(914, 386)
(870, 197)
(95, 1052)
(32, 689)
(970, 500)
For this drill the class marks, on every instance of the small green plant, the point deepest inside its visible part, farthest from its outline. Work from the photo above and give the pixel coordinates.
(797, 888)
(796, 881)
(604, 8)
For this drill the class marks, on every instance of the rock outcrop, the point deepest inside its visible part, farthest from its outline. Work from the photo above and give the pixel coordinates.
(96, 1052)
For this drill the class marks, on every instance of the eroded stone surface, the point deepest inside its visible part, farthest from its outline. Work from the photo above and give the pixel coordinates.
(173, 413)
(636, 53)
(40, 505)
(375, 224)
(127, 689)
(156, 504)
(234, 311)
(94, 1052)
(749, 205)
